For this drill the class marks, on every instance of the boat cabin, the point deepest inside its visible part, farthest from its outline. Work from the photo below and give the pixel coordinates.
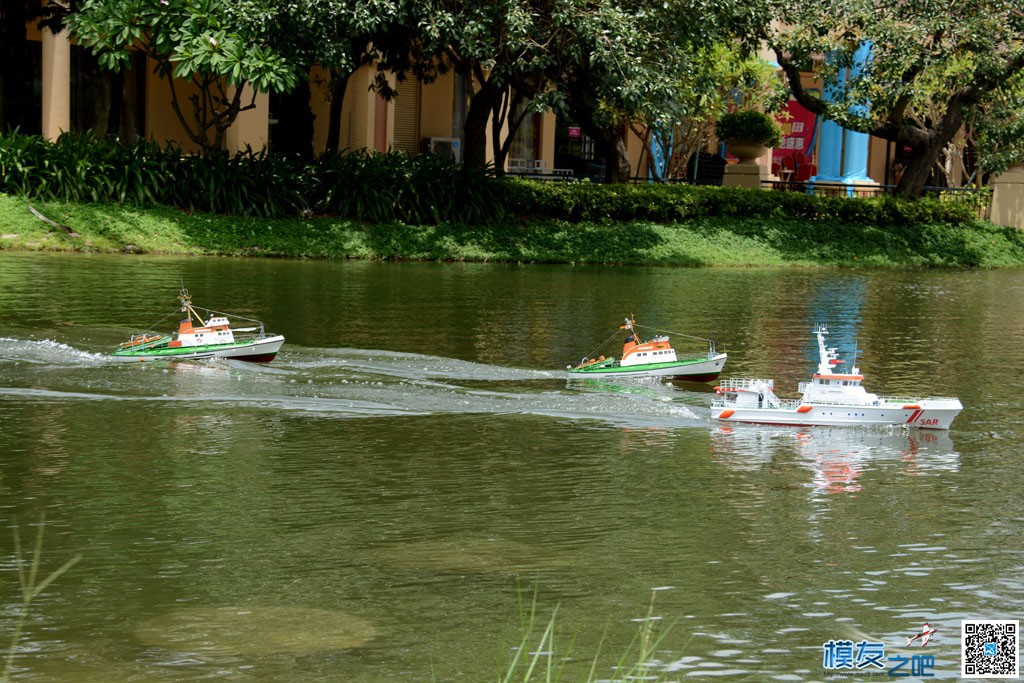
(827, 385)
(834, 387)
(656, 350)
(215, 331)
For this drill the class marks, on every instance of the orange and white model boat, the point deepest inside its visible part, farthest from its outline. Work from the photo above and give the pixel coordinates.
(212, 338)
(831, 398)
(652, 358)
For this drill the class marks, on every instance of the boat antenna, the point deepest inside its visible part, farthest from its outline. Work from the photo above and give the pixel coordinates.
(186, 304)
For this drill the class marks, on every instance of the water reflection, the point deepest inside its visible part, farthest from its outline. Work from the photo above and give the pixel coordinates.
(837, 457)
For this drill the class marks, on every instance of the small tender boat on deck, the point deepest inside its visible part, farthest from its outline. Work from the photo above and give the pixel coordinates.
(212, 338)
(652, 358)
(830, 399)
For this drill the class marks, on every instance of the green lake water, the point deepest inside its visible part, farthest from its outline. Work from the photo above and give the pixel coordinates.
(376, 503)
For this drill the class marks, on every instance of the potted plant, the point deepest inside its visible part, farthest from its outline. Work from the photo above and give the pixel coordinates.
(748, 133)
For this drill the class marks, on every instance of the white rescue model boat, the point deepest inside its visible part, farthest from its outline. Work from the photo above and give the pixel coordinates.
(829, 399)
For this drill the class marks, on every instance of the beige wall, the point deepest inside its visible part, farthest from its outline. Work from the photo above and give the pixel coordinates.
(1008, 198)
(547, 137)
(876, 159)
(436, 103)
(162, 125)
(251, 127)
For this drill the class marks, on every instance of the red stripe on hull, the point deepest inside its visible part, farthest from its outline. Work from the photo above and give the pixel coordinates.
(710, 377)
(258, 358)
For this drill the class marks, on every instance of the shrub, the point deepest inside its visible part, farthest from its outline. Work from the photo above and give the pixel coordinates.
(397, 187)
(749, 125)
(578, 202)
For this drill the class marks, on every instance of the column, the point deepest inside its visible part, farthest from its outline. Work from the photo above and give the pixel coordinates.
(56, 84)
(855, 145)
(830, 145)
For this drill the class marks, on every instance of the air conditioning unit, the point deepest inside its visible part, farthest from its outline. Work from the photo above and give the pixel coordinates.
(446, 148)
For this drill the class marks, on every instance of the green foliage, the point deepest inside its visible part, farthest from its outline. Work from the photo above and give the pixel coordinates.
(202, 41)
(419, 190)
(932, 71)
(667, 203)
(748, 125)
(544, 657)
(378, 188)
(84, 168)
(368, 205)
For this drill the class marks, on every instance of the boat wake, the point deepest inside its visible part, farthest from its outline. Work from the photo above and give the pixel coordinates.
(45, 352)
(342, 383)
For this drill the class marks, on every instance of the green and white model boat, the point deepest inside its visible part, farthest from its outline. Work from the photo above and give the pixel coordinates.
(214, 338)
(653, 358)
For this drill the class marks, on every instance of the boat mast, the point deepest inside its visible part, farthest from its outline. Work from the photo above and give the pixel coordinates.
(186, 305)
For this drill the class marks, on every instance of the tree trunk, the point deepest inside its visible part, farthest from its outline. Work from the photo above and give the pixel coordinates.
(919, 168)
(474, 144)
(623, 170)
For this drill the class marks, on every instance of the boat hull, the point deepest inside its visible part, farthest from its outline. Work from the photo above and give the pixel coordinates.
(925, 414)
(258, 351)
(694, 370)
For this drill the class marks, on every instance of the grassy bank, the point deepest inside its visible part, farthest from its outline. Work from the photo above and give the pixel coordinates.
(700, 241)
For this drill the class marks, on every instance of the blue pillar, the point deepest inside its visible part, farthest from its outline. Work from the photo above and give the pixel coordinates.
(830, 153)
(843, 154)
(830, 146)
(855, 156)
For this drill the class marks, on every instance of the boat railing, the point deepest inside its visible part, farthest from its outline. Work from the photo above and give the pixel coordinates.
(914, 399)
(694, 356)
(745, 383)
(787, 403)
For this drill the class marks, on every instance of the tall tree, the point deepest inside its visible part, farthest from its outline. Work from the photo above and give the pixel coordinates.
(338, 35)
(934, 66)
(200, 42)
(623, 63)
(495, 44)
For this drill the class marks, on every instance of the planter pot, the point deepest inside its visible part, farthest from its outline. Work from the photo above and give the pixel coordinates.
(747, 152)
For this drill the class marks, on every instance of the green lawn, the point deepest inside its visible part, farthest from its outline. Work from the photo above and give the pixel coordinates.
(718, 241)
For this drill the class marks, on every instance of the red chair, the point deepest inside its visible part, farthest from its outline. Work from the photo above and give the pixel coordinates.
(805, 172)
